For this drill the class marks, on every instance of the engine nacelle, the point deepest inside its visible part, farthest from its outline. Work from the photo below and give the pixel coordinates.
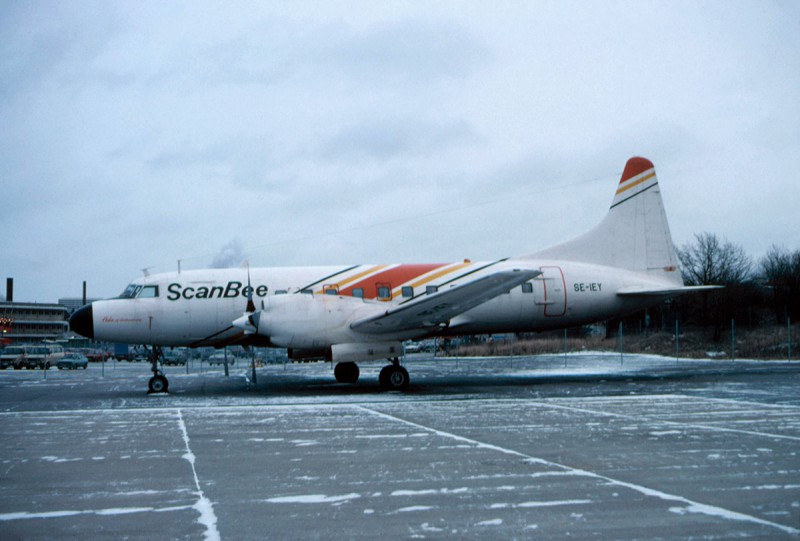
(312, 321)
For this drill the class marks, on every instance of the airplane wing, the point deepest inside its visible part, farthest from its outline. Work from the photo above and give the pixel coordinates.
(438, 308)
(639, 291)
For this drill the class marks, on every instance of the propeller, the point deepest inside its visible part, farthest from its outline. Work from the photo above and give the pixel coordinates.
(249, 320)
(249, 323)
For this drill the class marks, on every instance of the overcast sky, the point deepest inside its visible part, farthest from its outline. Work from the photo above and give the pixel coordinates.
(136, 134)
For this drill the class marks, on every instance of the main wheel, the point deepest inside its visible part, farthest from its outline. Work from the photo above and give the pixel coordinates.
(346, 372)
(158, 384)
(393, 377)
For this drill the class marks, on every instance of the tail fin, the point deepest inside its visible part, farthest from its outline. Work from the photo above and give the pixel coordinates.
(634, 234)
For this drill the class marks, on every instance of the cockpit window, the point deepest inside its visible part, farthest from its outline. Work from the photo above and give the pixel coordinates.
(143, 292)
(130, 291)
(148, 292)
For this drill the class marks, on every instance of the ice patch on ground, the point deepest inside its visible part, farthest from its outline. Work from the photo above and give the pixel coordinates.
(666, 433)
(429, 491)
(414, 508)
(313, 498)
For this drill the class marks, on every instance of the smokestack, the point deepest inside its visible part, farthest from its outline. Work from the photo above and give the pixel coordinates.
(10, 289)
(84, 293)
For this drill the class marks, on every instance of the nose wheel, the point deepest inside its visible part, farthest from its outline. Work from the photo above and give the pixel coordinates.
(158, 384)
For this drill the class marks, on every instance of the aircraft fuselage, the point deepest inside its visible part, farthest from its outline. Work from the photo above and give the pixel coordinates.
(196, 308)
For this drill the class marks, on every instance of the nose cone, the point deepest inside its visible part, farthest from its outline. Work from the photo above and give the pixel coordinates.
(82, 321)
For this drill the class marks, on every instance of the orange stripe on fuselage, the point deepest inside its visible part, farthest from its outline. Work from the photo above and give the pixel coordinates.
(358, 276)
(434, 276)
(393, 277)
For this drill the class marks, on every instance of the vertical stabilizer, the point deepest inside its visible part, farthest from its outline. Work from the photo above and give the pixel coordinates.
(634, 235)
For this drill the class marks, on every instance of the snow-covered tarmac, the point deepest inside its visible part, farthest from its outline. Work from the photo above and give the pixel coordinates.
(643, 448)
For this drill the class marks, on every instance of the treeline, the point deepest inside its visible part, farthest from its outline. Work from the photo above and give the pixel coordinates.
(756, 293)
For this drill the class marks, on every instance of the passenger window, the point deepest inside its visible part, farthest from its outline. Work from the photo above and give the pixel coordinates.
(384, 293)
(430, 290)
(408, 292)
(358, 292)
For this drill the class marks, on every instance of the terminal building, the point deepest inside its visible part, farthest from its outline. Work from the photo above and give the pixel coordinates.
(32, 322)
(27, 322)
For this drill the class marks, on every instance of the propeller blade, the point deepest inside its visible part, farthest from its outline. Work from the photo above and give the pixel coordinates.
(251, 307)
(248, 322)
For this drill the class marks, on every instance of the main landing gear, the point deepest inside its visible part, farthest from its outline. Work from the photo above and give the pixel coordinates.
(158, 383)
(393, 377)
(346, 372)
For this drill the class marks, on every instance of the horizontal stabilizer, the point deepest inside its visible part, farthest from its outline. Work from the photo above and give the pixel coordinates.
(639, 291)
(439, 308)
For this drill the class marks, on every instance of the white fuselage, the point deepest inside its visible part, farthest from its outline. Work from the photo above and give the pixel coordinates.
(197, 308)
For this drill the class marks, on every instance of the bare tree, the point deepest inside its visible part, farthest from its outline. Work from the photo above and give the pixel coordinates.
(711, 261)
(781, 269)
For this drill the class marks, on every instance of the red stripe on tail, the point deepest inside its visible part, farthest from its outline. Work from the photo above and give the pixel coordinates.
(635, 166)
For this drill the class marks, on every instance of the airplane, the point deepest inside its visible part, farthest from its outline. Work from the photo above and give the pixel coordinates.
(352, 313)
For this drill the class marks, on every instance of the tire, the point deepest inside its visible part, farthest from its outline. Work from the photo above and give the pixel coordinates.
(158, 384)
(394, 378)
(346, 372)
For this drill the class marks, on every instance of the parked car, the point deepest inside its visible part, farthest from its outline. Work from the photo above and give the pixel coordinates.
(219, 358)
(96, 355)
(173, 359)
(73, 361)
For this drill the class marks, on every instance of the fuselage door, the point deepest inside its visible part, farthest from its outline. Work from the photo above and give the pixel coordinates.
(554, 292)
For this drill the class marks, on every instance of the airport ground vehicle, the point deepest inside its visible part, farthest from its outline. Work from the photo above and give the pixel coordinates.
(31, 356)
(73, 361)
(10, 356)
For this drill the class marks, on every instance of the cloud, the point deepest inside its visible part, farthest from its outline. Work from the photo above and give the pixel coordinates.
(379, 139)
(135, 134)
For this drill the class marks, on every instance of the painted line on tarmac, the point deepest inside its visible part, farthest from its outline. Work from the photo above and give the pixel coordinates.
(691, 505)
(203, 505)
(640, 418)
(22, 515)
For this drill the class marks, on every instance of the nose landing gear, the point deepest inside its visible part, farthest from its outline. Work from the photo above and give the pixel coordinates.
(159, 382)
